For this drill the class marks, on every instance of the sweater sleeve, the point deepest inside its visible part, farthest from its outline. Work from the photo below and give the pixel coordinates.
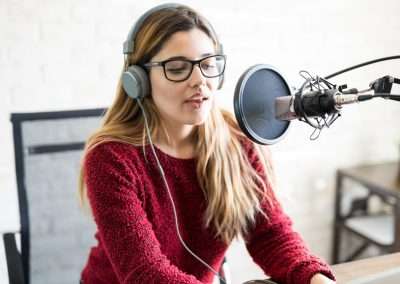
(276, 247)
(114, 194)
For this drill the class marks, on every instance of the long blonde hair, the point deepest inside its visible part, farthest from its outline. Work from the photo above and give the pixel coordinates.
(233, 189)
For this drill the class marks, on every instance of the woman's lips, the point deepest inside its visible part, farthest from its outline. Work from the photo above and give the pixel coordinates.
(196, 103)
(197, 99)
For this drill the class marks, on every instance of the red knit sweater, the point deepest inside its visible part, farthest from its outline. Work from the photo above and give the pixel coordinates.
(137, 240)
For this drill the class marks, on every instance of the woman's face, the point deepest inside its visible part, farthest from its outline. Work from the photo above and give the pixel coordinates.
(188, 102)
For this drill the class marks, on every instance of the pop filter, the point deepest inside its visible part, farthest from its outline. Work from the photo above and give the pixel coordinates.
(254, 104)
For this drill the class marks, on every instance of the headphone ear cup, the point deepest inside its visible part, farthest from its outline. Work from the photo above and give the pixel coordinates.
(135, 82)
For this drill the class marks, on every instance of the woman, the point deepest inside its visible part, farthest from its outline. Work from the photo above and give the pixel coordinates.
(170, 178)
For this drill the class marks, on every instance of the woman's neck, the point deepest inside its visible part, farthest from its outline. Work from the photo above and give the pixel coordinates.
(177, 141)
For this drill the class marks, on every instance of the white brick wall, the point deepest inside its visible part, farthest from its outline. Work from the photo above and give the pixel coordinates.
(67, 54)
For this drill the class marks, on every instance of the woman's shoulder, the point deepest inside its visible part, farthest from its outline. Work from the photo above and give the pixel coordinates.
(111, 146)
(114, 159)
(112, 152)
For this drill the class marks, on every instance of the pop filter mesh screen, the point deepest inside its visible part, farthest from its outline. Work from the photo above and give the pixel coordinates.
(255, 96)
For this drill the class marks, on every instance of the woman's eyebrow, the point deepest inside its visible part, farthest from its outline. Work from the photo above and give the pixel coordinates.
(185, 58)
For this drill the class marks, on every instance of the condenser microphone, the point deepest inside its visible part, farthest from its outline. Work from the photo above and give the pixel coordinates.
(264, 104)
(319, 103)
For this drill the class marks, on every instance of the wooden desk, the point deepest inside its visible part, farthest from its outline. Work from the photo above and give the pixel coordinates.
(380, 180)
(346, 272)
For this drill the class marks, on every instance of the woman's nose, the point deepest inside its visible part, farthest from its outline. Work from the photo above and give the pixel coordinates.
(197, 78)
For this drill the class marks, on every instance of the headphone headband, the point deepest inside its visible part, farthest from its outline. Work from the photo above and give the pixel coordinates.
(129, 44)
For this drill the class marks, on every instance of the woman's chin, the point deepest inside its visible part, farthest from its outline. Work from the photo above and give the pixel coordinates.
(197, 120)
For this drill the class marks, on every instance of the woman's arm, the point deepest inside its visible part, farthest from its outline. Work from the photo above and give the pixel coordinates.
(276, 248)
(130, 242)
(281, 252)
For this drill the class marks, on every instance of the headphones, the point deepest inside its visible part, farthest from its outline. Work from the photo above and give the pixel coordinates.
(135, 79)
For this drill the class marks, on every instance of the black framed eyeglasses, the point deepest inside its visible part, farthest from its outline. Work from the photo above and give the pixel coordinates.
(180, 69)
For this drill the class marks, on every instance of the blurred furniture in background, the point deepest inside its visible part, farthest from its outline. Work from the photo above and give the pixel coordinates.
(56, 233)
(380, 228)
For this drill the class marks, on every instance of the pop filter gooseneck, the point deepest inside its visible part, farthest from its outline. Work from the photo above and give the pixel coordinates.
(254, 104)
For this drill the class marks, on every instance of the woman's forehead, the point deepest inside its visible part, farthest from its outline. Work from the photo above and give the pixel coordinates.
(192, 44)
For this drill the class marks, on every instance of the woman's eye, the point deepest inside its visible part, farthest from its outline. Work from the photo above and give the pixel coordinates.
(177, 67)
(208, 66)
(176, 70)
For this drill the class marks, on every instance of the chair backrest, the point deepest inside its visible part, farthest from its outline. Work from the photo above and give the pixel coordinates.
(56, 234)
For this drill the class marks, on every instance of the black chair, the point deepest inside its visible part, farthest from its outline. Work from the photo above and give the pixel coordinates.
(13, 258)
(55, 232)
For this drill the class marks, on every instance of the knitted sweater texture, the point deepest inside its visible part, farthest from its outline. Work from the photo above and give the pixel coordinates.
(137, 239)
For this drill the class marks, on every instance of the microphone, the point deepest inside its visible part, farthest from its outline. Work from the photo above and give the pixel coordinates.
(264, 104)
(316, 103)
